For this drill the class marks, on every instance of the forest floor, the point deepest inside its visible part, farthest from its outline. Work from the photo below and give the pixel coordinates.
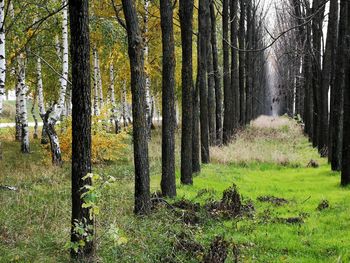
(287, 206)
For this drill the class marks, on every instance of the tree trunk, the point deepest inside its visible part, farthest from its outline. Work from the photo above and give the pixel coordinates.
(96, 101)
(337, 109)
(146, 62)
(81, 125)
(2, 53)
(140, 129)
(241, 41)
(228, 96)
(196, 167)
(186, 22)
(328, 64)
(44, 139)
(316, 70)
(235, 101)
(114, 118)
(217, 76)
(168, 183)
(249, 63)
(22, 87)
(124, 105)
(211, 97)
(345, 172)
(202, 77)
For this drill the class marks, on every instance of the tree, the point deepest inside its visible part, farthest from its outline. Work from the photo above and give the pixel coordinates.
(2, 52)
(81, 125)
(344, 35)
(337, 91)
(140, 130)
(186, 17)
(203, 19)
(217, 76)
(242, 45)
(228, 97)
(168, 183)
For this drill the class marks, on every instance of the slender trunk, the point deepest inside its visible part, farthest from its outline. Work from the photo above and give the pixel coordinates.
(211, 98)
(202, 76)
(2, 53)
(196, 167)
(186, 22)
(44, 139)
(22, 87)
(18, 113)
(241, 41)
(99, 83)
(113, 118)
(337, 108)
(81, 127)
(32, 111)
(327, 81)
(345, 172)
(124, 106)
(217, 76)
(135, 44)
(316, 70)
(148, 79)
(235, 104)
(96, 101)
(228, 96)
(249, 63)
(168, 183)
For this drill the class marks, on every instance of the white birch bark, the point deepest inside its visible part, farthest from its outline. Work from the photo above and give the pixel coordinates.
(96, 107)
(2, 53)
(111, 92)
(148, 80)
(22, 88)
(99, 82)
(55, 116)
(40, 88)
(124, 106)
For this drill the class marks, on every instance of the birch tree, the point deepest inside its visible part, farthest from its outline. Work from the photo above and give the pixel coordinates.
(2, 53)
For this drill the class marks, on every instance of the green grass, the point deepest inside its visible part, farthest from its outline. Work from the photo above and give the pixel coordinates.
(34, 222)
(9, 112)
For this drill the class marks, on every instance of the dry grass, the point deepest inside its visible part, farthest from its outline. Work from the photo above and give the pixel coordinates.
(276, 140)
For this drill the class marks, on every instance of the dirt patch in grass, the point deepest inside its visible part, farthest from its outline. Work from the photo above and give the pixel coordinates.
(186, 243)
(324, 204)
(231, 205)
(278, 201)
(217, 252)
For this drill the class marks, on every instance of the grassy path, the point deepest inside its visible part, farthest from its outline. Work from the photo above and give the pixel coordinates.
(268, 159)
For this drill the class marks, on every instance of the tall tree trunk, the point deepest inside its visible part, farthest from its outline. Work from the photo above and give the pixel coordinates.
(241, 41)
(51, 120)
(99, 83)
(114, 118)
(135, 44)
(196, 167)
(168, 183)
(124, 105)
(44, 139)
(228, 99)
(234, 105)
(96, 100)
(2, 53)
(337, 109)
(329, 68)
(249, 63)
(345, 170)
(22, 87)
(32, 111)
(146, 62)
(328, 64)
(217, 76)
(203, 19)
(316, 69)
(81, 126)
(211, 97)
(186, 22)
